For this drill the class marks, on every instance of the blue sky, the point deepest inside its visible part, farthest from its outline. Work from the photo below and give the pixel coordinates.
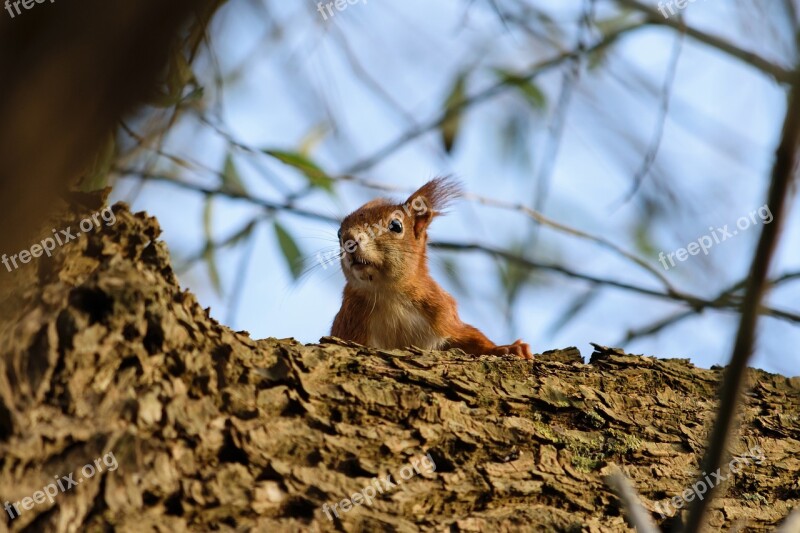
(711, 168)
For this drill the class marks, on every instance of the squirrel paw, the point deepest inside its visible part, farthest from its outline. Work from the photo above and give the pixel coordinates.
(519, 348)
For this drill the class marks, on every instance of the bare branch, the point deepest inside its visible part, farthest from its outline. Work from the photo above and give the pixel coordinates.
(486, 94)
(235, 195)
(779, 73)
(723, 302)
(791, 524)
(655, 143)
(696, 303)
(724, 296)
(783, 173)
(545, 221)
(637, 515)
(655, 327)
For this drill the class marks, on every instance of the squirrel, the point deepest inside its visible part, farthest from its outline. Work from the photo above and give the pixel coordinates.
(390, 300)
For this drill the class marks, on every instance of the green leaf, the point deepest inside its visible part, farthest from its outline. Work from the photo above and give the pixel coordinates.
(597, 58)
(208, 252)
(526, 88)
(315, 175)
(231, 180)
(207, 217)
(291, 252)
(453, 273)
(96, 176)
(179, 75)
(615, 23)
(313, 138)
(242, 234)
(213, 272)
(451, 124)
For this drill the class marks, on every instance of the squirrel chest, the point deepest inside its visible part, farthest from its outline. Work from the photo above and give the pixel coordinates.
(395, 321)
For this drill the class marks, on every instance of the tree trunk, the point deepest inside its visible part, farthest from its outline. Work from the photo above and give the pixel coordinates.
(71, 71)
(102, 356)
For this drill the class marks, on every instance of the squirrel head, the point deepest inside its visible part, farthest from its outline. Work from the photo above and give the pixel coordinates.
(384, 244)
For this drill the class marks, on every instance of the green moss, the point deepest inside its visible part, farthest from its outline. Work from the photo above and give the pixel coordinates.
(594, 419)
(546, 432)
(585, 464)
(754, 497)
(580, 445)
(589, 450)
(619, 443)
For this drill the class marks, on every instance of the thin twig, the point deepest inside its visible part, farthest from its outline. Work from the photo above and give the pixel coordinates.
(214, 245)
(481, 96)
(527, 211)
(655, 143)
(791, 524)
(655, 327)
(694, 302)
(724, 296)
(545, 221)
(239, 284)
(777, 72)
(235, 195)
(783, 173)
(637, 515)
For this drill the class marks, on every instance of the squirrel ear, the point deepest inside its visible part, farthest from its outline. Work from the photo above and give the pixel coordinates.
(421, 222)
(430, 200)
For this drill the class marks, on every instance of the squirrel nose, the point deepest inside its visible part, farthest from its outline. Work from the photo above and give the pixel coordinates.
(353, 241)
(347, 236)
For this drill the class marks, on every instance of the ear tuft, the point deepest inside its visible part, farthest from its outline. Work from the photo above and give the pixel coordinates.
(438, 194)
(431, 200)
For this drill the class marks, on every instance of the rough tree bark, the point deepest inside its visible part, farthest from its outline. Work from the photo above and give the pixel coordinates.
(102, 352)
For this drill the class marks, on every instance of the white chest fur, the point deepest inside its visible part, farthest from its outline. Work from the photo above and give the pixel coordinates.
(395, 323)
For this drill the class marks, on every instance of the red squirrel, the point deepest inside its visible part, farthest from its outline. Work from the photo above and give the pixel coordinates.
(390, 300)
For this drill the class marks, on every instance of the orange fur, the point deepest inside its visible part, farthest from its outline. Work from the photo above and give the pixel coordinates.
(390, 300)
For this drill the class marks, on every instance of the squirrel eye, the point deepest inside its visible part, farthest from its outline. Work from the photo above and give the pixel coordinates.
(339, 234)
(396, 226)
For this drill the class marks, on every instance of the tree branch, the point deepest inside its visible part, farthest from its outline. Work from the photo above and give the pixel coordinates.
(777, 72)
(731, 393)
(695, 302)
(636, 514)
(481, 96)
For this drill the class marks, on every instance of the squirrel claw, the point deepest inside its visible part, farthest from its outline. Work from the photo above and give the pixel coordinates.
(519, 349)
